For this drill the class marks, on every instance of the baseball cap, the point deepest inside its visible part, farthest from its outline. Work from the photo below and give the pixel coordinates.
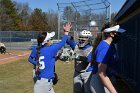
(115, 28)
(48, 37)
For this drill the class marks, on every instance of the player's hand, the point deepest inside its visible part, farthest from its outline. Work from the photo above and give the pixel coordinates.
(37, 69)
(67, 28)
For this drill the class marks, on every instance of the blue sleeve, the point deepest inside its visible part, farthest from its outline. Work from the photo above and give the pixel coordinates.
(32, 57)
(71, 43)
(101, 56)
(89, 57)
(58, 46)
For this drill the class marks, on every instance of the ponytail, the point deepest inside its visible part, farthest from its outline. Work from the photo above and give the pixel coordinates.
(40, 39)
(97, 40)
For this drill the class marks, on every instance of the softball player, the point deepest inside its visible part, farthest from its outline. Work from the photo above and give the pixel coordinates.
(83, 69)
(2, 48)
(34, 56)
(47, 54)
(105, 61)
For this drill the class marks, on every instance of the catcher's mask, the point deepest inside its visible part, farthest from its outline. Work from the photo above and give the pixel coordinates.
(84, 37)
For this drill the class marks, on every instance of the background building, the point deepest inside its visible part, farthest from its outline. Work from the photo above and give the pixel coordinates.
(129, 48)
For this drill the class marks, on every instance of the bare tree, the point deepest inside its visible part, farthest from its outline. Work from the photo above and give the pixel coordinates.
(69, 14)
(24, 12)
(52, 20)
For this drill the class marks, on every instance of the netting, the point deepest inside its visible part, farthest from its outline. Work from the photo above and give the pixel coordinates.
(81, 13)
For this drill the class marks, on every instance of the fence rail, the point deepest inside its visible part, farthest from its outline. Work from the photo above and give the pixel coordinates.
(19, 39)
(27, 39)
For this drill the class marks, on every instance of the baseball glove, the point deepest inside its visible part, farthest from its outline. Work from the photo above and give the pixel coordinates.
(55, 79)
(2, 50)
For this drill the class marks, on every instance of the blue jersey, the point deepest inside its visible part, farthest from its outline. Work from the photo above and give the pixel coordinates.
(33, 56)
(73, 45)
(106, 54)
(47, 58)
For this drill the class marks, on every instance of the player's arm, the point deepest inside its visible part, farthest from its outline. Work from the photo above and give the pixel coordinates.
(102, 60)
(58, 46)
(32, 57)
(105, 79)
(31, 60)
(72, 43)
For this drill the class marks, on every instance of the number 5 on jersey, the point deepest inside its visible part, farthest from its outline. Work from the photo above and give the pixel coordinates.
(41, 62)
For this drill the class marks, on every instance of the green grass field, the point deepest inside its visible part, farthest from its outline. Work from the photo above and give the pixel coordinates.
(16, 77)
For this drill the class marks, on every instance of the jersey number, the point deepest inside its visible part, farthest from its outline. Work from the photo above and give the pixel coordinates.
(41, 62)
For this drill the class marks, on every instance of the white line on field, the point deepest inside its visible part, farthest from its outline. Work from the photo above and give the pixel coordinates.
(14, 56)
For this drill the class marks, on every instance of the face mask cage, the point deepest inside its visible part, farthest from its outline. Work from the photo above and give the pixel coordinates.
(82, 41)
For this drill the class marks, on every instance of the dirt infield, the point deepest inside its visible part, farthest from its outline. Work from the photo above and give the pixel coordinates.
(13, 55)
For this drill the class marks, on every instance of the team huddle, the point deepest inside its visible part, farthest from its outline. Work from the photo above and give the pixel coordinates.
(94, 66)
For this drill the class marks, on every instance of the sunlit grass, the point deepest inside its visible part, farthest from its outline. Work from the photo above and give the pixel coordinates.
(16, 77)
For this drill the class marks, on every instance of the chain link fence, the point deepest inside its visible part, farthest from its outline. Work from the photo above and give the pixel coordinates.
(20, 39)
(27, 39)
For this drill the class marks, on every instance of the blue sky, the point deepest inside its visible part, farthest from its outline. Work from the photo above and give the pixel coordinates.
(46, 5)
